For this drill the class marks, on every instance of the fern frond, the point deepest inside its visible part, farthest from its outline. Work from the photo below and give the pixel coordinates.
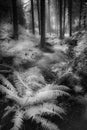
(20, 85)
(45, 96)
(28, 81)
(18, 120)
(45, 123)
(6, 91)
(8, 110)
(18, 100)
(38, 110)
(18, 78)
(55, 87)
(46, 108)
(33, 75)
(57, 109)
(7, 84)
(62, 87)
(35, 86)
(34, 82)
(12, 96)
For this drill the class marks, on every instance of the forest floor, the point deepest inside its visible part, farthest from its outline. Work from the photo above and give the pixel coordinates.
(24, 54)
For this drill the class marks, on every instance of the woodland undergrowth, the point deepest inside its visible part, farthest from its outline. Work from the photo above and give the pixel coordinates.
(34, 85)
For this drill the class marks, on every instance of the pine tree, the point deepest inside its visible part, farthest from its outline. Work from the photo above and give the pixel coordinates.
(15, 19)
(70, 16)
(32, 12)
(38, 10)
(57, 13)
(80, 15)
(84, 13)
(42, 4)
(64, 13)
(60, 16)
(49, 24)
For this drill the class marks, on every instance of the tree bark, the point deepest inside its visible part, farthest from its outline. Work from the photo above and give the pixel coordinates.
(57, 14)
(15, 19)
(32, 12)
(80, 15)
(60, 17)
(70, 16)
(84, 20)
(49, 24)
(85, 6)
(64, 13)
(38, 10)
(42, 4)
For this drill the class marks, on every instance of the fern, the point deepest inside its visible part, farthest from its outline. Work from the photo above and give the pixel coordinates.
(46, 108)
(45, 96)
(33, 103)
(8, 110)
(6, 83)
(17, 120)
(45, 123)
(19, 84)
(33, 78)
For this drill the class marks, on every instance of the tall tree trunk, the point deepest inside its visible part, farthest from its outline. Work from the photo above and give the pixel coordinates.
(80, 15)
(57, 13)
(64, 13)
(70, 16)
(15, 19)
(49, 24)
(84, 18)
(60, 16)
(38, 10)
(32, 12)
(42, 4)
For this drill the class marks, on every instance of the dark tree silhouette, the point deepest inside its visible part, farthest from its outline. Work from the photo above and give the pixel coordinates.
(60, 17)
(70, 16)
(57, 14)
(80, 15)
(85, 20)
(49, 24)
(64, 13)
(38, 10)
(32, 13)
(21, 18)
(42, 4)
(84, 13)
(15, 19)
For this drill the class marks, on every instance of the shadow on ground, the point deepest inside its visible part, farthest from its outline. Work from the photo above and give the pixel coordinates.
(75, 119)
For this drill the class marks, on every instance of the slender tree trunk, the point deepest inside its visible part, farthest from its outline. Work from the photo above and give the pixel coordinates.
(60, 16)
(64, 13)
(49, 24)
(70, 16)
(84, 18)
(42, 4)
(80, 15)
(32, 12)
(57, 13)
(15, 19)
(38, 10)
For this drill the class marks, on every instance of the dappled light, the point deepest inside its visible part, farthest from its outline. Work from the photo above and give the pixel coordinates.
(43, 64)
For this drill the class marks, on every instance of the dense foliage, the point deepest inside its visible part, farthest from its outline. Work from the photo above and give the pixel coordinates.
(43, 64)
